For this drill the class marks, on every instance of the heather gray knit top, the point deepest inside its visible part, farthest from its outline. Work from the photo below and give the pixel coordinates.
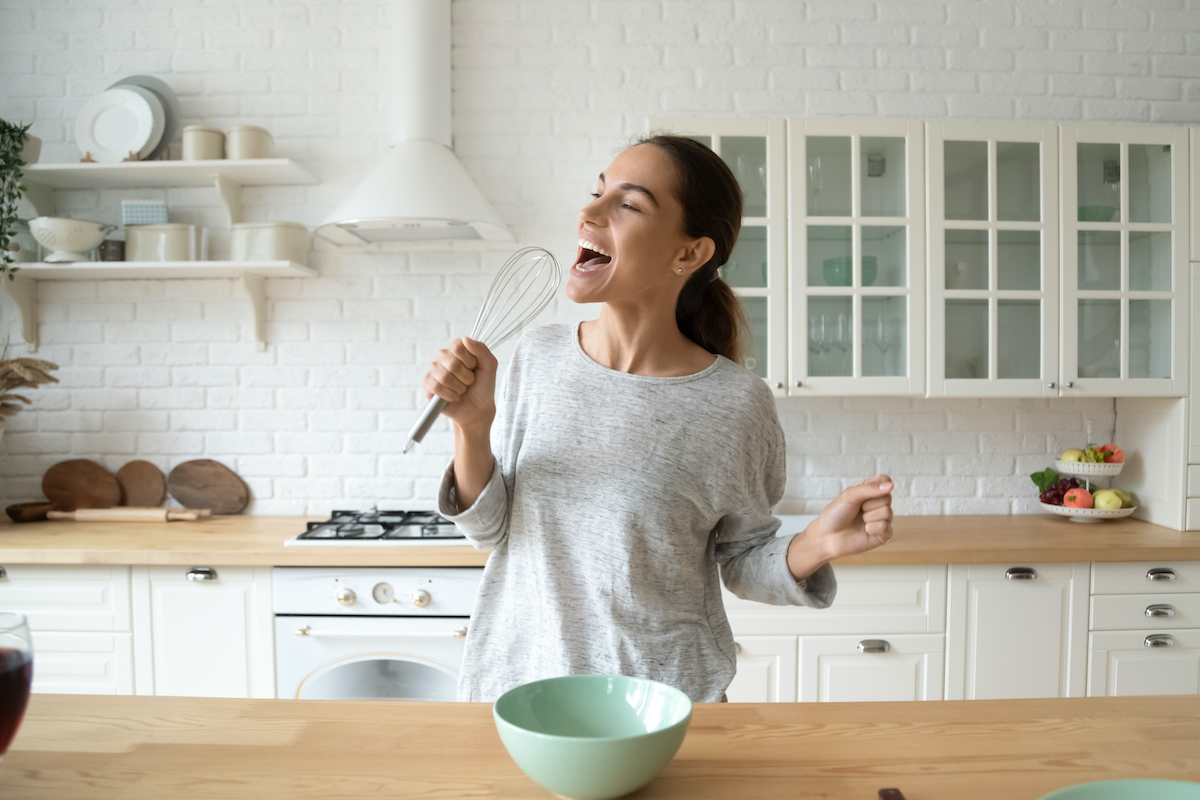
(614, 501)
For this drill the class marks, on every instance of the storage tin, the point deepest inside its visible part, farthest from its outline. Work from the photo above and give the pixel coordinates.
(269, 241)
(249, 141)
(171, 242)
(203, 143)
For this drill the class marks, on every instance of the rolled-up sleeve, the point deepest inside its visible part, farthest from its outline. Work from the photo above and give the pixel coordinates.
(485, 523)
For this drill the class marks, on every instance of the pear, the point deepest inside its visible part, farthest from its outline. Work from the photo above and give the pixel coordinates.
(1126, 499)
(1107, 500)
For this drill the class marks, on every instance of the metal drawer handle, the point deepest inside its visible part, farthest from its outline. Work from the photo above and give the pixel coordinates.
(201, 574)
(1160, 574)
(873, 646)
(1159, 640)
(3, 574)
(1160, 610)
(737, 648)
(460, 633)
(1021, 573)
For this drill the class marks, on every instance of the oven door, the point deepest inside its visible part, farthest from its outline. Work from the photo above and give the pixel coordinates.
(368, 658)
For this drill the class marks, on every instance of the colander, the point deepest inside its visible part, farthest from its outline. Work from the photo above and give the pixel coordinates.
(70, 239)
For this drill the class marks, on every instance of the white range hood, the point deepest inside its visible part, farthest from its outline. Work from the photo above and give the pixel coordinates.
(419, 191)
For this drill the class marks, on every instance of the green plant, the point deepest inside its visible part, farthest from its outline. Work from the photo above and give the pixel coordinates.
(12, 140)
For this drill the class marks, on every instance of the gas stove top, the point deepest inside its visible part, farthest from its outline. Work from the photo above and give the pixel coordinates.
(379, 528)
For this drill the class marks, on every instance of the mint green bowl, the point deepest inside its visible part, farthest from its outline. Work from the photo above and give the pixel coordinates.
(1128, 790)
(837, 270)
(592, 736)
(1097, 213)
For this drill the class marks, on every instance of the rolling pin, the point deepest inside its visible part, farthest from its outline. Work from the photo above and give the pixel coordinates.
(132, 514)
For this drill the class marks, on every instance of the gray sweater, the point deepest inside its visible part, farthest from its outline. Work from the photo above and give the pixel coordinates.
(614, 500)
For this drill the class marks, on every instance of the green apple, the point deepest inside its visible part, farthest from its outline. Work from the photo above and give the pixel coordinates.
(1126, 499)
(1072, 455)
(1106, 500)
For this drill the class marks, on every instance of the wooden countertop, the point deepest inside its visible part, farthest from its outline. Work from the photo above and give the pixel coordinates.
(258, 541)
(87, 747)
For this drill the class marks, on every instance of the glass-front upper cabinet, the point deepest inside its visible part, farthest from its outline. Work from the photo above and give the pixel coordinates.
(755, 151)
(857, 253)
(993, 260)
(1125, 252)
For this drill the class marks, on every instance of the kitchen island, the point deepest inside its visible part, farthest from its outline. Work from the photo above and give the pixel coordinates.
(156, 747)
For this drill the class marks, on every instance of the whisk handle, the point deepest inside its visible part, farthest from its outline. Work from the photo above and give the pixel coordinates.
(424, 422)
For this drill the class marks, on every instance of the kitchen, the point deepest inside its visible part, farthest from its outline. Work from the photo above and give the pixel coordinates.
(167, 370)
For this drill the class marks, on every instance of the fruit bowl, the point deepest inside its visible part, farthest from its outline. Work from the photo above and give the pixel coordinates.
(70, 239)
(1089, 468)
(1089, 514)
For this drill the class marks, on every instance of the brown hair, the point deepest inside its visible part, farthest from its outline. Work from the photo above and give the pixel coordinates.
(707, 312)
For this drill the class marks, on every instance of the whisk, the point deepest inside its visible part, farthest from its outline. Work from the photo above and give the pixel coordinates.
(521, 289)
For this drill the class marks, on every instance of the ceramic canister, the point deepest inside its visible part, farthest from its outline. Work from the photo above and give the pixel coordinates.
(174, 241)
(269, 241)
(202, 143)
(249, 141)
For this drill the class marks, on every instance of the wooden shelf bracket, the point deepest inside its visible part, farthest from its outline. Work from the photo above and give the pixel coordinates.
(231, 192)
(24, 292)
(256, 291)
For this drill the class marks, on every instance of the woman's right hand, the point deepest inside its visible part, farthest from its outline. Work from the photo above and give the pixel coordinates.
(464, 375)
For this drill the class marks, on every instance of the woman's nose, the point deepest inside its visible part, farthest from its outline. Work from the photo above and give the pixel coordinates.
(592, 212)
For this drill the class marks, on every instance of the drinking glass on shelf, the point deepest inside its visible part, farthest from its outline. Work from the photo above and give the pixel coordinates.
(16, 674)
(841, 339)
(883, 336)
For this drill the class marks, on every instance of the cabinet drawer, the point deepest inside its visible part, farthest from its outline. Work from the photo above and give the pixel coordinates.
(68, 598)
(1120, 664)
(82, 663)
(1193, 483)
(871, 668)
(1118, 612)
(901, 599)
(1134, 577)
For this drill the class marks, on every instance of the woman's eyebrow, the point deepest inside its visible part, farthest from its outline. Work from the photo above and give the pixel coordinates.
(633, 187)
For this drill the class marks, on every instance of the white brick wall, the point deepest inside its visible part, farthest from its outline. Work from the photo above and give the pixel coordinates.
(544, 92)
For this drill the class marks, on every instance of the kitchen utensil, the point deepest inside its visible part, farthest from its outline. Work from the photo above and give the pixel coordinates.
(521, 289)
(16, 674)
(171, 242)
(249, 141)
(204, 483)
(594, 736)
(142, 484)
(112, 250)
(143, 212)
(891, 794)
(80, 483)
(1088, 514)
(1128, 790)
(29, 512)
(203, 143)
(120, 124)
(173, 112)
(132, 514)
(70, 239)
(269, 241)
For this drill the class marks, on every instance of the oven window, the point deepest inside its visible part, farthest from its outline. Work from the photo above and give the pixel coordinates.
(380, 678)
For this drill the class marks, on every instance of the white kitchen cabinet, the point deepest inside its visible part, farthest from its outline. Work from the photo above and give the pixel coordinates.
(871, 668)
(856, 242)
(204, 632)
(993, 259)
(766, 670)
(757, 269)
(1193, 400)
(1016, 631)
(1125, 252)
(1125, 663)
(82, 663)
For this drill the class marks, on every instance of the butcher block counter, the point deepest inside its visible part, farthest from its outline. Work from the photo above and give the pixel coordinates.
(258, 541)
(85, 747)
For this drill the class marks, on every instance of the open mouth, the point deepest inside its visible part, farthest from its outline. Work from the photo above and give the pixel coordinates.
(591, 257)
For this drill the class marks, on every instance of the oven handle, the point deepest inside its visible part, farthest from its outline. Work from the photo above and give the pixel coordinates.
(461, 633)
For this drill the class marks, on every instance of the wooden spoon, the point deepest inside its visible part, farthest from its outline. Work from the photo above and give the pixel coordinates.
(204, 483)
(143, 484)
(29, 512)
(80, 483)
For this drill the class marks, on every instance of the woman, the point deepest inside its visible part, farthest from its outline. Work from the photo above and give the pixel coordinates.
(633, 458)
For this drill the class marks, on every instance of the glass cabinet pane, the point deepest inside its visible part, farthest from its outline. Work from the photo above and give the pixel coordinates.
(1019, 260)
(1149, 183)
(884, 187)
(830, 336)
(884, 336)
(1018, 339)
(967, 349)
(1150, 338)
(966, 180)
(828, 176)
(966, 259)
(747, 157)
(1099, 182)
(830, 261)
(885, 255)
(704, 140)
(1100, 260)
(747, 266)
(757, 318)
(1099, 338)
(1018, 181)
(1149, 260)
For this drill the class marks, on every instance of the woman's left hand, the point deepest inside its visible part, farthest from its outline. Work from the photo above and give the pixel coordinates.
(859, 519)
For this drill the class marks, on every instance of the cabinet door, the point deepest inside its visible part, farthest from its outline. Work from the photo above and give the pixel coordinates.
(74, 597)
(993, 260)
(208, 637)
(757, 269)
(870, 668)
(857, 243)
(1013, 636)
(1125, 260)
(83, 663)
(766, 670)
(1193, 401)
(1125, 663)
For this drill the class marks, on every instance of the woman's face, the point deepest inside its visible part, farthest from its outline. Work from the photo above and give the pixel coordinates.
(631, 239)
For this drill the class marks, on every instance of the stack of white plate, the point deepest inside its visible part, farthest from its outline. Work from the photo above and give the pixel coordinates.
(134, 119)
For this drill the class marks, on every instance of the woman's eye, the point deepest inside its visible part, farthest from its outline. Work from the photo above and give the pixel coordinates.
(631, 208)
(596, 195)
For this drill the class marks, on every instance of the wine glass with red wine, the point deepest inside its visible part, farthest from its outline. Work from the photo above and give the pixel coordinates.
(16, 675)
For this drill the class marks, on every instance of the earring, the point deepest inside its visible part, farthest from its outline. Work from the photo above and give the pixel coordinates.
(679, 270)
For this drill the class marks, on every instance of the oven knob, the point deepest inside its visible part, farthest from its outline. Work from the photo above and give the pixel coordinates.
(421, 598)
(345, 597)
(383, 593)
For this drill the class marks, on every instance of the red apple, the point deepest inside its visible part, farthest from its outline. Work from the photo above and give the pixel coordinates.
(1112, 454)
(1078, 498)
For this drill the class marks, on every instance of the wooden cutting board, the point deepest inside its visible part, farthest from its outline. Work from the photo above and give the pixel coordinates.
(204, 483)
(143, 484)
(80, 483)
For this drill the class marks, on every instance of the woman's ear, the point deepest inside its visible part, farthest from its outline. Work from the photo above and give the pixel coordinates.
(695, 254)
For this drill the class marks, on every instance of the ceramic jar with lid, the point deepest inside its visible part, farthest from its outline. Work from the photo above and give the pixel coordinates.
(269, 241)
(203, 143)
(171, 242)
(249, 141)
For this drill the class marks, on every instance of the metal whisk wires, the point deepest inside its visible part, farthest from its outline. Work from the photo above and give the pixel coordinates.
(520, 291)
